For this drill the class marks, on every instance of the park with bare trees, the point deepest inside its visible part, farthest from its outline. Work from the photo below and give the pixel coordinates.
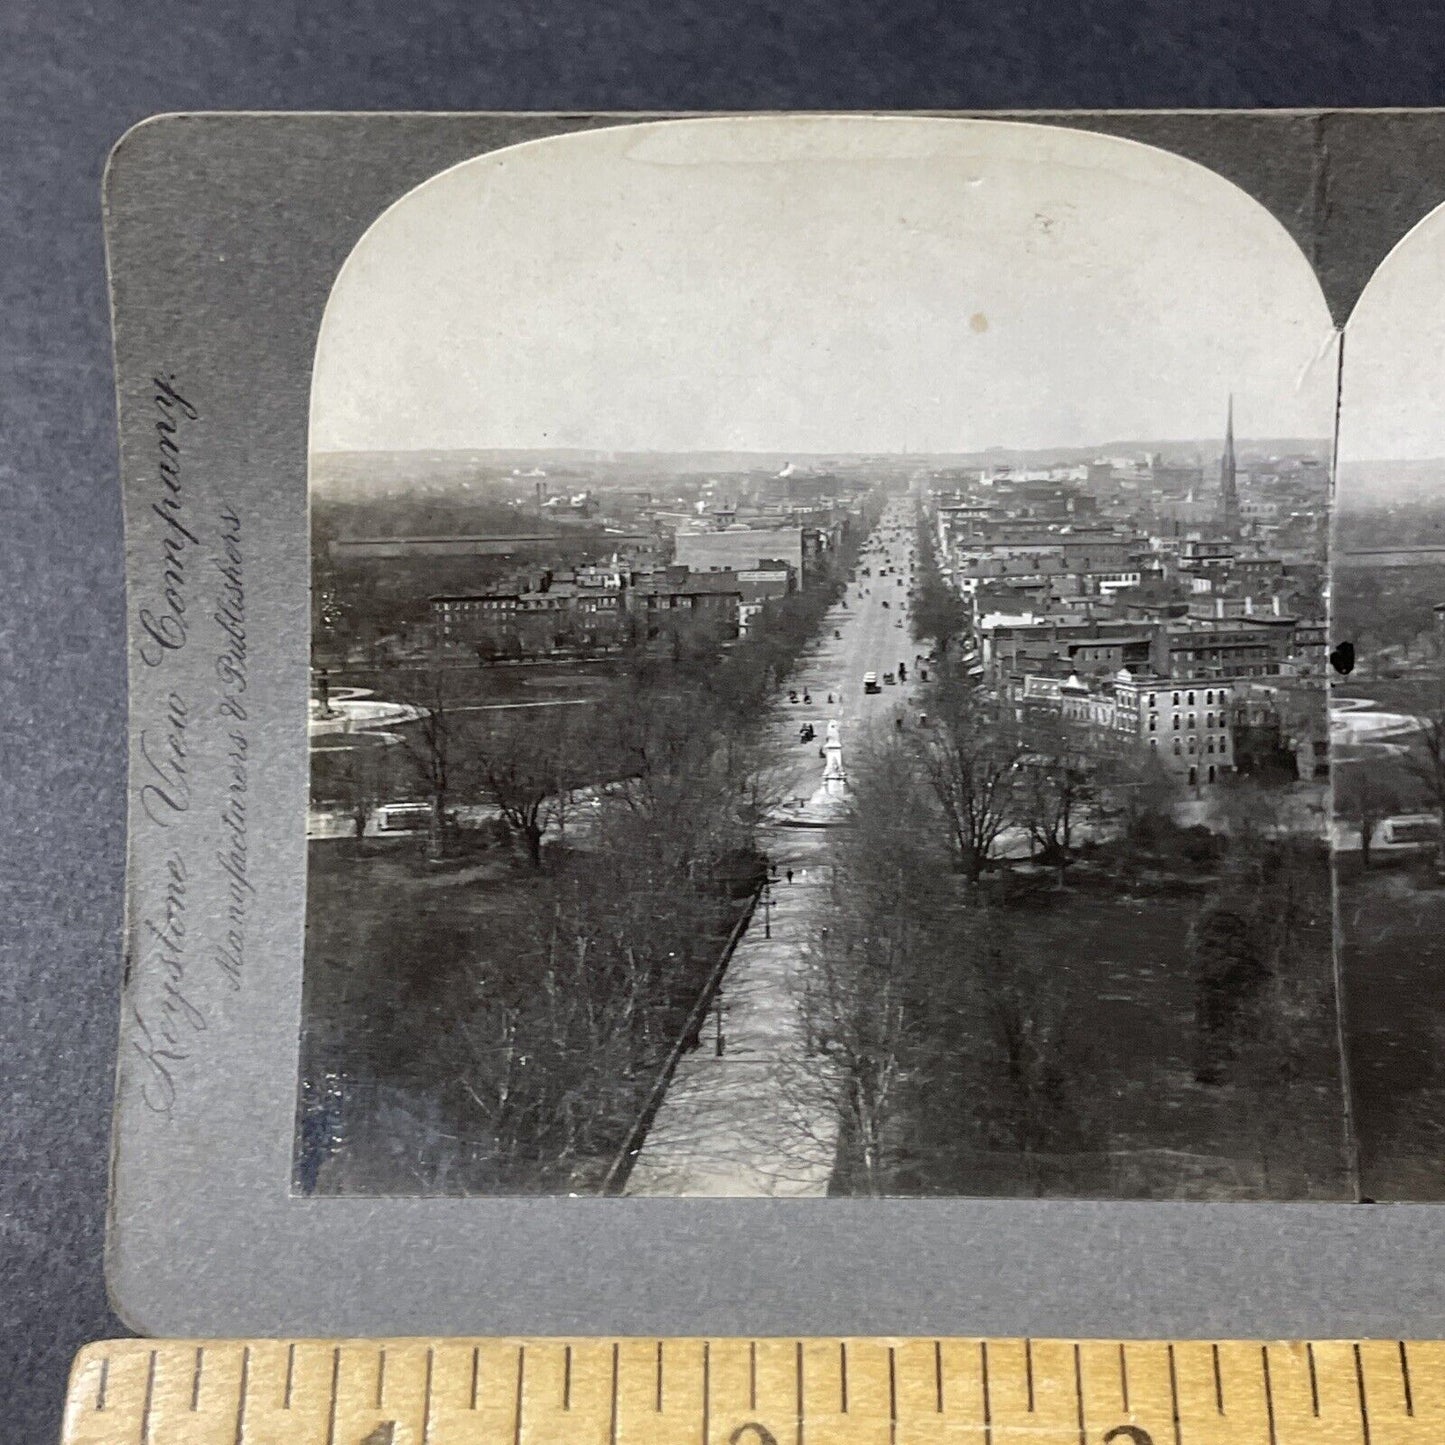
(1035, 979)
(1035, 982)
(491, 1001)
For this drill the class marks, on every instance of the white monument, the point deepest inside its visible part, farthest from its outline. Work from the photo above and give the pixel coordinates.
(834, 778)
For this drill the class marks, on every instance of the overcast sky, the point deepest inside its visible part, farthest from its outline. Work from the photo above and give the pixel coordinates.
(1393, 391)
(833, 285)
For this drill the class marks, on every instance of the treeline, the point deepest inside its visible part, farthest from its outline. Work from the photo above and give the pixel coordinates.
(530, 1014)
(529, 1018)
(1388, 614)
(956, 1035)
(526, 1014)
(940, 614)
(943, 1035)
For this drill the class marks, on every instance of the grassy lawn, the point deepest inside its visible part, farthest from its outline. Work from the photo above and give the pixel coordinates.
(1393, 937)
(1121, 960)
(1108, 956)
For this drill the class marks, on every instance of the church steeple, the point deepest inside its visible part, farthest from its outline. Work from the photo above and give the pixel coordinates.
(1228, 490)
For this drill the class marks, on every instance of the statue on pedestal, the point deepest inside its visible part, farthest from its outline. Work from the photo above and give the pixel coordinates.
(833, 775)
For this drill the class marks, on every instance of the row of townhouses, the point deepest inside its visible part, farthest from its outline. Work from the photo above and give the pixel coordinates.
(1132, 597)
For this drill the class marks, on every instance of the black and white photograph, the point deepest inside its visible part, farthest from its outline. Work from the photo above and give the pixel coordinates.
(819, 684)
(1388, 718)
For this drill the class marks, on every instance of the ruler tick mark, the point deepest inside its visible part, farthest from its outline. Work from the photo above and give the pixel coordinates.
(612, 1424)
(335, 1395)
(145, 1416)
(659, 1377)
(987, 1405)
(521, 1375)
(1174, 1396)
(938, 1376)
(241, 1401)
(1218, 1381)
(427, 1396)
(1079, 1395)
(381, 1377)
(752, 1374)
(1314, 1380)
(1364, 1403)
(1123, 1377)
(1029, 1371)
(476, 1372)
(290, 1375)
(105, 1377)
(843, 1373)
(707, 1388)
(1404, 1380)
(799, 1359)
(196, 1379)
(892, 1395)
(567, 1377)
(1268, 1395)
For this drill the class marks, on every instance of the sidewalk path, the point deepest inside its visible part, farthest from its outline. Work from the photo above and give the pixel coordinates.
(757, 1120)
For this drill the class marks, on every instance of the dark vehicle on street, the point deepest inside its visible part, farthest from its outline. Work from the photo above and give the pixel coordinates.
(888, 679)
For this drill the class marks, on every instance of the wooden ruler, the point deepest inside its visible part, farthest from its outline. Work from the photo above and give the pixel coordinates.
(756, 1392)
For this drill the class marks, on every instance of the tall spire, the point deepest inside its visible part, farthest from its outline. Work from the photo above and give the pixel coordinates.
(1228, 491)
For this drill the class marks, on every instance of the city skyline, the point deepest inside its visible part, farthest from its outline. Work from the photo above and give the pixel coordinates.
(812, 285)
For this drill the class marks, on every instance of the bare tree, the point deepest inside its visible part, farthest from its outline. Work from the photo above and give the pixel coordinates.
(674, 771)
(1226, 956)
(939, 613)
(360, 787)
(428, 741)
(942, 1032)
(971, 762)
(854, 1002)
(864, 999)
(1366, 800)
(1057, 783)
(1032, 1095)
(527, 770)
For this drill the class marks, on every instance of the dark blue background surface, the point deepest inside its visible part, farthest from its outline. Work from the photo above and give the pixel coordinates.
(74, 76)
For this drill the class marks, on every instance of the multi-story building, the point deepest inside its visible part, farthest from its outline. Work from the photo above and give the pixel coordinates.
(1179, 647)
(665, 599)
(739, 549)
(1184, 722)
(759, 586)
(551, 616)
